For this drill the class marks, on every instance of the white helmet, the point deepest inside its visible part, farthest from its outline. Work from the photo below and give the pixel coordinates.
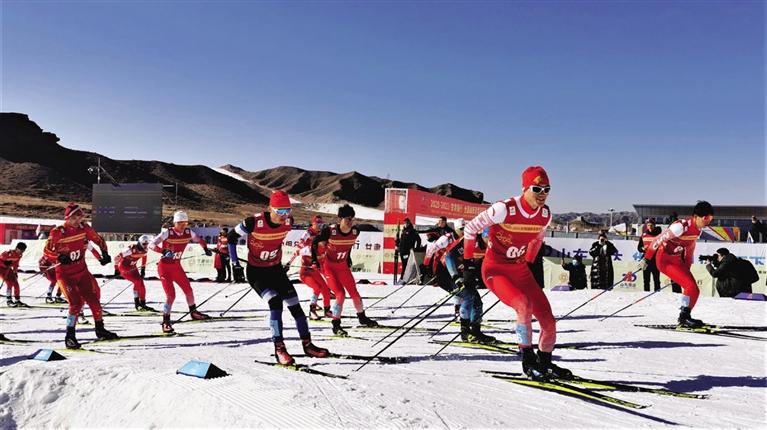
(459, 223)
(180, 216)
(144, 240)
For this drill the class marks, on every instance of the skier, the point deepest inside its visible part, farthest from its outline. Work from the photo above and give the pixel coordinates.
(451, 270)
(517, 227)
(9, 268)
(435, 248)
(171, 243)
(68, 243)
(338, 240)
(309, 274)
(673, 251)
(265, 232)
(46, 265)
(126, 263)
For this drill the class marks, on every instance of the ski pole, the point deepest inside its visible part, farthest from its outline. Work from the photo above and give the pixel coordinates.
(203, 302)
(635, 302)
(41, 272)
(589, 300)
(448, 323)
(408, 299)
(121, 291)
(441, 302)
(406, 331)
(384, 298)
(459, 333)
(235, 303)
(236, 292)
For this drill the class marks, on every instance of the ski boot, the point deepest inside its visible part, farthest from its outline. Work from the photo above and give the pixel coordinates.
(312, 350)
(328, 312)
(313, 315)
(337, 330)
(282, 355)
(145, 308)
(70, 340)
(137, 303)
(20, 304)
(166, 327)
(197, 315)
(49, 299)
(550, 369)
(10, 303)
(476, 335)
(465, 329)
(687, 321)
(58, 299)
(365, 321)
(457, 312)
(82, 320)
(102, 333)
(530, 365)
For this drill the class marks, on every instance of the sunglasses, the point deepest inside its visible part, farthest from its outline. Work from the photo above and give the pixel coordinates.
(540, 190)
(283, 211)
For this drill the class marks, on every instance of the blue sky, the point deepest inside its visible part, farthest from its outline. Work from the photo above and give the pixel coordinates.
(622, 102)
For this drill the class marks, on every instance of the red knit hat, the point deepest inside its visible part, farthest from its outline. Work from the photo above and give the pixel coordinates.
(279, 200)
(534, 175)
(71, 209)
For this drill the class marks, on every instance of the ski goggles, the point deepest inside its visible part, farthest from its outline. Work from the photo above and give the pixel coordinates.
(540, 190)
(283, 211)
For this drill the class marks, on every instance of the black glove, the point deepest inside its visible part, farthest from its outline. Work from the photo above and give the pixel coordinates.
(105, 259)
(167, 253)
(64, 259)
(208, 252)
(286, 267)
(142, 272)
(459, 281)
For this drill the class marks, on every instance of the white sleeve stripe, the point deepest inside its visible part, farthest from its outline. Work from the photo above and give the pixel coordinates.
(495, 214)
(160, 238)
(240, 229)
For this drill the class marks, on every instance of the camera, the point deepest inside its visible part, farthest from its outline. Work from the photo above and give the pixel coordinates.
(712, 258)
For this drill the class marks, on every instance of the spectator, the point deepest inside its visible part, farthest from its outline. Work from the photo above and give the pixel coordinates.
(441, 228)
(757, 231)
(650, 232)
(221, 260)
(602, 266)
(577, 272)
(731, 273)
(409, 239)
(536, 267)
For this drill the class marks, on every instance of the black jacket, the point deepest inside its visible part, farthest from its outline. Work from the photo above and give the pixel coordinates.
(729, 281)
(409, 239)
(577, 275)
(602, 275)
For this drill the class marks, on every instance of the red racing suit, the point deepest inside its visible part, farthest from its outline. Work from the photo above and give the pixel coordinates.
(673, 250)
(516, 232)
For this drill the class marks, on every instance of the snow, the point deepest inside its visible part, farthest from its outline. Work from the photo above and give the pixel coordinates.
(242, 178)
(133, 382)
(362, 212)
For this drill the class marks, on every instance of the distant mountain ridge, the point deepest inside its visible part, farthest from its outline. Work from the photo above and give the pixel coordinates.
(34, 164)
(328, 187)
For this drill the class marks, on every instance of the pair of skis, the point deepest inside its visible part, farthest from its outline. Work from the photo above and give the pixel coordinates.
(588, 389)
(308, 369)
(714, 330)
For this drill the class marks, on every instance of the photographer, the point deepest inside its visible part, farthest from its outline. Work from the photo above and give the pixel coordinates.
(732, 274)
(602, 266)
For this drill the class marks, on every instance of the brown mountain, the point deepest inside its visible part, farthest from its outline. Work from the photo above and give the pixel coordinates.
(36, 165)
(37, 169)
(325, 187)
